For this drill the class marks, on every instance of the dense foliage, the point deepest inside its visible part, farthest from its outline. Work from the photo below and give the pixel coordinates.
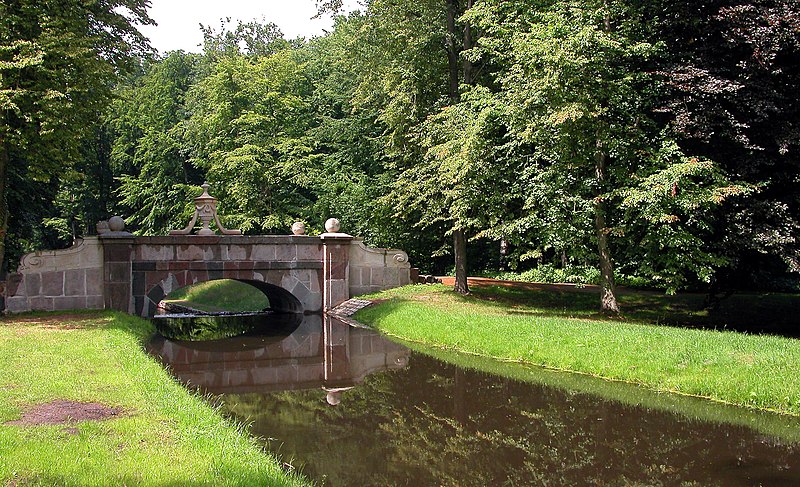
(58, 64)
(652, 139)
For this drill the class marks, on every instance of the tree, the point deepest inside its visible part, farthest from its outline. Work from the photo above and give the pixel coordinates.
(249, 124)
(576, 84)
(151, 152)
(732, 72)
(412, 52)
(346, 137)
(252, 38)
(464, 181)
(57, 63)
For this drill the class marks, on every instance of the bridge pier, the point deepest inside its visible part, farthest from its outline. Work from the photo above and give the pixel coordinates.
(118, 272)
(336, 268)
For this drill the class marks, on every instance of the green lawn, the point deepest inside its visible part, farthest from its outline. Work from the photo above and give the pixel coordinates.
(560, 331)
(163, 435)
(220, 295)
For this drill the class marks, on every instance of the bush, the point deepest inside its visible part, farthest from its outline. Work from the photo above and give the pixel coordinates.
(550, 273)
(582, 275)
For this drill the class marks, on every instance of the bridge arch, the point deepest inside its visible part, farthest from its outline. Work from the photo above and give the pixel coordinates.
(279, 298)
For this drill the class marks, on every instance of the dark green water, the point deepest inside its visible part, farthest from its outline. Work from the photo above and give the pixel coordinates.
(406, 419)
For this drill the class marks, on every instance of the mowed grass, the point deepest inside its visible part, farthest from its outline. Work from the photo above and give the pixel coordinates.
(220, 295)
(526, 326)
(164, 435)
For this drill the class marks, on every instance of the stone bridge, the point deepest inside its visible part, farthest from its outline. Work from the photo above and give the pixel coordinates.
(117, 270)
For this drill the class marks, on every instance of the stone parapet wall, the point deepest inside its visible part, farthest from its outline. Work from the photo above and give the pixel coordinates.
(58, 279)
(275, 264)
(373, 270)
(265, 248)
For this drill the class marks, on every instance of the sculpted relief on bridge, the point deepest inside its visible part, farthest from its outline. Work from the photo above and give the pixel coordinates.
(117, 270)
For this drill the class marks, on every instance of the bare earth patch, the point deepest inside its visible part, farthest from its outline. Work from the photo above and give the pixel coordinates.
(62, 412)
(60, 322)
(53, 319)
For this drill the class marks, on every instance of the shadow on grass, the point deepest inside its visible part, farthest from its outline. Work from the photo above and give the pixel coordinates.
(769, 313)
(72, 319)
(140, 329)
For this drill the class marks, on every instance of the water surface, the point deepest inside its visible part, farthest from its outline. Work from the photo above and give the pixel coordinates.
(348, 407)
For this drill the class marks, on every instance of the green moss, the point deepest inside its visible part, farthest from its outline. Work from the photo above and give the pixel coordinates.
(164, 435)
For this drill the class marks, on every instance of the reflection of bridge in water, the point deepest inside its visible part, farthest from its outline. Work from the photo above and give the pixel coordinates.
(322, 352)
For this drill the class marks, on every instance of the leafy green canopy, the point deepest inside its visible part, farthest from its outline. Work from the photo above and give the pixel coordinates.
(576, 88)
(653, 139)
(731, 79)
(149, 152)
(58, 61)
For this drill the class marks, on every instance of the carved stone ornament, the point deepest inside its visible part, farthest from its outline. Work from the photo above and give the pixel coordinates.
(299, 228)
(102, 227)
(205, 208)
(332, 225)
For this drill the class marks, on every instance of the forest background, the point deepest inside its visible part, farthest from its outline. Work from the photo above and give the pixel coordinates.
(649, 142)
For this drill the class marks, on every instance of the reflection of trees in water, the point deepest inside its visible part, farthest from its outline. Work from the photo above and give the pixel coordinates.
(321, 440)
(436, 425)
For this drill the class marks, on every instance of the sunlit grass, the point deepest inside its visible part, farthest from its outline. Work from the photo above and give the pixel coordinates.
(220, 295)
(163, 436)
(735, 368)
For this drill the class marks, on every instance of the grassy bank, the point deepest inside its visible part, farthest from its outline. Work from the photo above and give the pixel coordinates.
(220, 295)
(159, 435)
(556, 331)
(787, 428)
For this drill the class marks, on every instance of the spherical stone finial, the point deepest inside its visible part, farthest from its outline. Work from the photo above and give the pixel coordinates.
(332, 225)
(333, 398)
(116, 224)
(299, 228)
(102, 227)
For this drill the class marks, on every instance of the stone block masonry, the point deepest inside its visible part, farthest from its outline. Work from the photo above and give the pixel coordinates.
(132, 274)
(372, 270)
(58, 280)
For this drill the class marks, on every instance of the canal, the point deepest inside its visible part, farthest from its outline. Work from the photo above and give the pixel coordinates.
(348, 407)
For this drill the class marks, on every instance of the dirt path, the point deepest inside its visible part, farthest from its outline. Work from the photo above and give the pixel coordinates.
(536, 286)
(540, 286)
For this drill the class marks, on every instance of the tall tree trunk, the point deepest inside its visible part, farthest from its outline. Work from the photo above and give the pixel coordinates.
(467, 65)
(461, 285)
(608, 293)
(460, 250)
(452, 52)
(3, 204)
